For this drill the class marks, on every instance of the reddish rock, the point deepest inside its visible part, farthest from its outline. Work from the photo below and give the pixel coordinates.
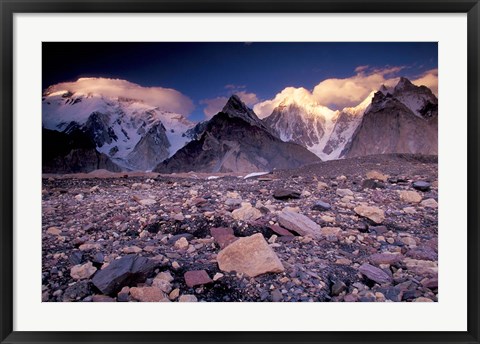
(147, 294)
(375, 274)
(385, 258)
(196, 277)
(223, 236)
(102, 298)
(280, 231)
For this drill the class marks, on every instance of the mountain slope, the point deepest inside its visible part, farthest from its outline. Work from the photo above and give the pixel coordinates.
(134, 134)
(235, 140)
(390, 126)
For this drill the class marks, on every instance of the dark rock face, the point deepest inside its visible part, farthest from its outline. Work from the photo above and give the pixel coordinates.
(97, 128)
(389, 126)
(72, 153)
(123, 272)
(151, 149)
(236, 142)
(286, 194)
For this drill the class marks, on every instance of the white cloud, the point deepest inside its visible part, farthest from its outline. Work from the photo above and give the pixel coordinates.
(215, 105)
(165, 98)
(429, 79)
(340, 93)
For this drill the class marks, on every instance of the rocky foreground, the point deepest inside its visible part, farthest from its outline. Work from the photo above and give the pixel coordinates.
(363, 229)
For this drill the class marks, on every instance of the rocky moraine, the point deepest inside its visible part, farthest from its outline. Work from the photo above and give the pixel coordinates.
(356, 230)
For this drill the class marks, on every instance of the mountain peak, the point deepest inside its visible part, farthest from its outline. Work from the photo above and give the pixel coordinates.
(236, 108)
(404, 84)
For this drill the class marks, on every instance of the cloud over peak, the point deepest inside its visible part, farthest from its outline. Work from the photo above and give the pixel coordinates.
(167, 99)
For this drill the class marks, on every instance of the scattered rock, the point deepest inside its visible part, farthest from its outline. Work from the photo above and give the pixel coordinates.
(54, 231)
(246, 213)
(375, 214)
(181, 244)
(421, 186)
(102, 298)
(196, 277)
(79, 272)
(222, 236)
(284, 194)
(187, 298)
(127, 270)
(320, 205)
(410, 196)
(280, 231)
(338, 287)
(429, 203)
(250, 255)
(375, 175)
(385, 258)
(147, 294)
(344, 192)
(132, 249)
(299, 223)
(374, 274)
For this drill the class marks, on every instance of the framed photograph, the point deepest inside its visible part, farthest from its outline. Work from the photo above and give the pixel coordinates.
(216, 171)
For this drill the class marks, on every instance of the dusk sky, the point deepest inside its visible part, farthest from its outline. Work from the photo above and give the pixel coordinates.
(332, 74)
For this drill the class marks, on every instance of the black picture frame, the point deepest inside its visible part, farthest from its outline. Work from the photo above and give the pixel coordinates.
(10, 7)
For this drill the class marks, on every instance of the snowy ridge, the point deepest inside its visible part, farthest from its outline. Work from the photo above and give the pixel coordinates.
(117, 124)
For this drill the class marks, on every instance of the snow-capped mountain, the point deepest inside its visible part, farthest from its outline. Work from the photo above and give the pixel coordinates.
(131, 132)
(308, 124)
(329, 134)
(235, 140)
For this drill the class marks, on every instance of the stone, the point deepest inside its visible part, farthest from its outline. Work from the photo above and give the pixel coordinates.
(321, 206)
(330, 231)
(174, 294)
(409, 241)
(372, 184)
(77, 291)
(322, 186)
(376, 176)
(217, 276)
(79, 197)
(280, 231)
(174, 238)
(344, 192)
(429, 203)
(276, 296)
(76, 257)
(283, 194)
(250, 255)
(90, 246)
(422, 267)
(421, 186)
(196, 277)
(164, 276)
(431, 283)
(147, 201)
(132, 249)
(385, 258)
(79, 272)
(422, 299)
(187, 298)
(102, 298)
(147, 294)
(379, 230)
(181, 244)
(54, 231)
(299, 223)
(410, 196)
(338, 287)
(223, 236)
(422, 253)
(127, 270)
(178, 217)
(375, 274)
(246, 213)
(375, 214)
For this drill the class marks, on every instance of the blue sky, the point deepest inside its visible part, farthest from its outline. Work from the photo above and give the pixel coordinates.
(209, 72)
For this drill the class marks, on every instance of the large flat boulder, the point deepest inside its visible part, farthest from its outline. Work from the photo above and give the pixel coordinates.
(299, 223)
(250, 255)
